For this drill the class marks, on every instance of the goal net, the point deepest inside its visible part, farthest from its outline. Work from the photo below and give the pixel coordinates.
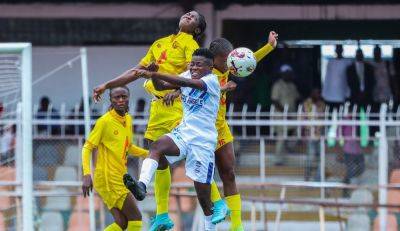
(15, 136)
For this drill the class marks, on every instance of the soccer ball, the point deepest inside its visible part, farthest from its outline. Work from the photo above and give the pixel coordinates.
(241, 62)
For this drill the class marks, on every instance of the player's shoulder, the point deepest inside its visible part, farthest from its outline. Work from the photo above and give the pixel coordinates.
(162, 40)
(185, 74)
(104, 118)
(211, 77)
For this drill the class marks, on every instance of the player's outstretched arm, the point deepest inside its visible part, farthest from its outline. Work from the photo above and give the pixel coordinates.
(267, 48)
(229, 86)
(123, 79)
(170, 81)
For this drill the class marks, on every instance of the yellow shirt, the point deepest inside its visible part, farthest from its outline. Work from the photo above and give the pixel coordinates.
(223, 79)
(112, 136)
(172, 54)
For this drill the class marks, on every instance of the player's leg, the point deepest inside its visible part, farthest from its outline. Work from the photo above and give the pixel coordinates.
(162, 185)
(163, 145)
(225, 162)
(120, 221)
(203, 191)
(132, 214)
(200, 165)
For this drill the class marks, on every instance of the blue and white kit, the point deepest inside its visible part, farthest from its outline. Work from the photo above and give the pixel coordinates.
(196, 135)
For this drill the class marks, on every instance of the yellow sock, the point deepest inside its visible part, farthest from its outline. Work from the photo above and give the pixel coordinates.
(215, 196)
(161, 189)
(235, 205)
(113, 227)
(134, 226)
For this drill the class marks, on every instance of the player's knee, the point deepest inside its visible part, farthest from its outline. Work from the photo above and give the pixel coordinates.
(121, 222)
(135, 217)
(228, 175)
(155, 149)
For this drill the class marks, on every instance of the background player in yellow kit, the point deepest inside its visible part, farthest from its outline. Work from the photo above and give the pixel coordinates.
(112, 137)
(224, 154)
(171, 55)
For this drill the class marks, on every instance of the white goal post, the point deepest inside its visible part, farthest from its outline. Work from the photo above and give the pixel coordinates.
(21, 68)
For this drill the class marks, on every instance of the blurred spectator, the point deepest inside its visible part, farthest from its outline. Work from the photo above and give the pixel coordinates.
(396, 85)
(335, 89)
(314, 108)
(44, 112)
(139, 111)
(77, 113)
(383, 73)
(361, 81)
(284, 93)
(1, 109)
(7, 144)
(353, 156)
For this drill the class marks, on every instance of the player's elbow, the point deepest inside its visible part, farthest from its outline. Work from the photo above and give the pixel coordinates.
(158, 86)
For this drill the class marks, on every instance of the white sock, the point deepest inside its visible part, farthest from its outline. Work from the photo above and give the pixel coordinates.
(208, 225)
(149, 167)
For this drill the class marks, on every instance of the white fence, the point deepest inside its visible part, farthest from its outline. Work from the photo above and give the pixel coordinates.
(256, 139)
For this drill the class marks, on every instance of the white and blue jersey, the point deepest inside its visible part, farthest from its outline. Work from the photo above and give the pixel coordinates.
(200, 109)
(196, 135)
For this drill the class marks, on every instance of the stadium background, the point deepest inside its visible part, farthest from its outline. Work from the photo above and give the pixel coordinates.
(117, 34)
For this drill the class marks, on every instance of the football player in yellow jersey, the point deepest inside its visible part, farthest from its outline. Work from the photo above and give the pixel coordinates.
(224, 154)
(171, 55)
(112, 137)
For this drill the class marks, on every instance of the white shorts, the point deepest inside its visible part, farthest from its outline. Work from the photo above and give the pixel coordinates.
(199, 160)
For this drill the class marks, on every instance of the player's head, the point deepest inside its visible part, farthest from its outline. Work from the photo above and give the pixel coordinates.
(221, 48)
(201, 64)
(193, 23)
(119, 98)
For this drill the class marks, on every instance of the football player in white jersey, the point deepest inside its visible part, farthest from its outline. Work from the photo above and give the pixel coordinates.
(195, 138)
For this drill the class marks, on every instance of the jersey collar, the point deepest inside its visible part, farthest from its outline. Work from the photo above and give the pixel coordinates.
(182, 35)
(121, 119)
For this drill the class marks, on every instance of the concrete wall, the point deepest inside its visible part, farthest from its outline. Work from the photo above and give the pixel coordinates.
(65, 86)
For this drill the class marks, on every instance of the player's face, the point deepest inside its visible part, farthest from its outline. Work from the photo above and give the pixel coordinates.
(189, 21)
(220, 62)
(199, 67)
(120, 100)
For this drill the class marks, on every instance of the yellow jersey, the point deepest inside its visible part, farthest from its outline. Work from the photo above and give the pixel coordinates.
(223, 79)
(172, 55)
(112, 136)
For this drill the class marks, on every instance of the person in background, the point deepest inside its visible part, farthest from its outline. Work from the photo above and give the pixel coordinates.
(353, 154)
(44, 113)
(313, 107)
(361, 81)
(284, 93)
(335, 89)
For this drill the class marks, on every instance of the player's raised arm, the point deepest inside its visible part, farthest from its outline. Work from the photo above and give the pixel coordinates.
(267, 48)
(122, 80)
(168, 82)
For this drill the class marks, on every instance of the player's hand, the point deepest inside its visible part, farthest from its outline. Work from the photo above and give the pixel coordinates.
(97, 92)
(273, 39)
(87, 185)
(152, 67)
(229, 86)
(169, 98)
